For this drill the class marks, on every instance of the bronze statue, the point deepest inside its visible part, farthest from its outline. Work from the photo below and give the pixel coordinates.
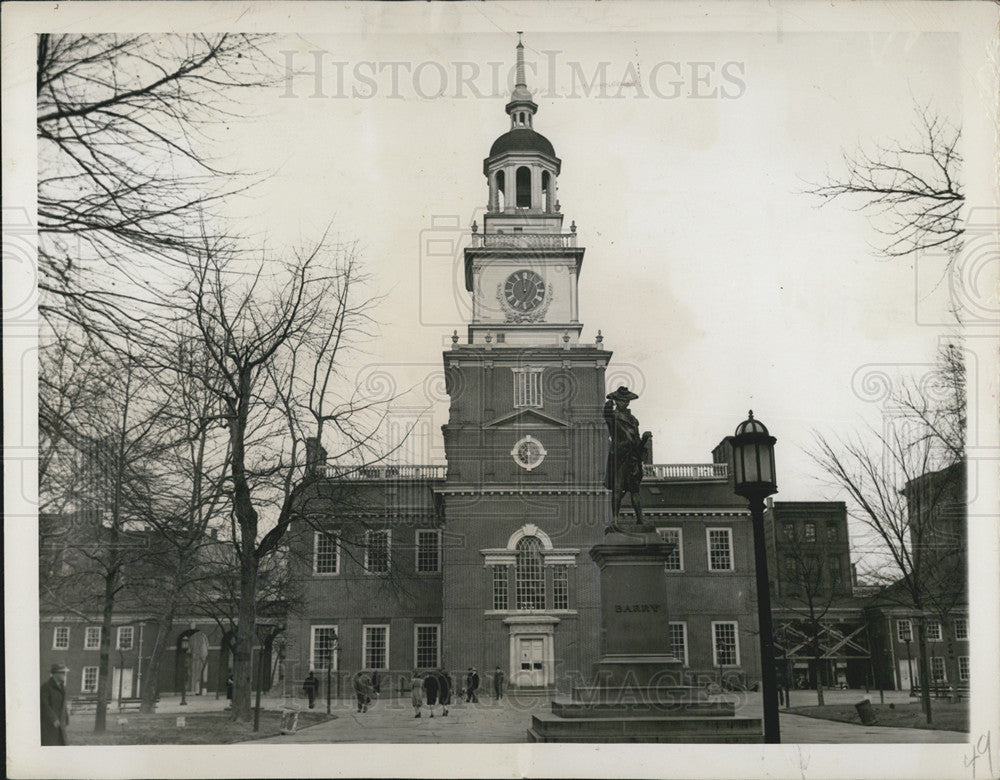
(625, 453)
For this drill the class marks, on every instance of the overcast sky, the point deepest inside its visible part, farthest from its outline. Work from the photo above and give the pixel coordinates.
(716, 283)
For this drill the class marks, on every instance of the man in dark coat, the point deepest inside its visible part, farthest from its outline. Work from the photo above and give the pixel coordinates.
(432, 690)
(472, 685)
(311, 686)
(54, 709)
(444, 689)
(498, 682)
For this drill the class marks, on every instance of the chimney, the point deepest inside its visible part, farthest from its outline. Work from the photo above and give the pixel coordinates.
(315, 455)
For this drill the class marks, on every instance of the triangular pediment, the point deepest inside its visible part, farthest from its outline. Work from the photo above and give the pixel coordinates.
(527, 418)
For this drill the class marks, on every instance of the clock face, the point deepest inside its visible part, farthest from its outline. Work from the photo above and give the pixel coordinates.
(524, 290)
(528, 453)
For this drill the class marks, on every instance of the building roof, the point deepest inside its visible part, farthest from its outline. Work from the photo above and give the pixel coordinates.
(522, 139)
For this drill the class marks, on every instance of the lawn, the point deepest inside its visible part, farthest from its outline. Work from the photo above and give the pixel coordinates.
(203, 728)
(946, 716)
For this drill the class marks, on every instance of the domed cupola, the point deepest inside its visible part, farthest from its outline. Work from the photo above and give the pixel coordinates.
(522, 166)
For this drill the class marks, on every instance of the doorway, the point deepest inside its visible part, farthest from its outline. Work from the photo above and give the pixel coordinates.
(530, 672)
(121, 680)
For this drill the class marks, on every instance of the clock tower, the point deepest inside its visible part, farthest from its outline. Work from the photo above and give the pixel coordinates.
(525, 440)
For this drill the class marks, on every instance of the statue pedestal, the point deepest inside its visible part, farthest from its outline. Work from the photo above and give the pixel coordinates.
(638, 693)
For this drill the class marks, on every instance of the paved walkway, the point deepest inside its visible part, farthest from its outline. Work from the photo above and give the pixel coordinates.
(392, 721)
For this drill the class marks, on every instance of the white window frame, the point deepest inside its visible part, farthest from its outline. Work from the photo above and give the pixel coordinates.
(84, 688)
(128, 631)
(364, 645)
(899, 630)
(313, 661)
(416, 654)
(55, 638)
(966, 673)
(87, 633)
(388, 550)
(805, 532)
(962, 635)
(680, 548)
(329, 536)
(935, 634)
(708, 548)
(684, 635)
(944, 669)
(423, 532)
(501, 573)
(564, 568)
(736, 637)
(523, 387)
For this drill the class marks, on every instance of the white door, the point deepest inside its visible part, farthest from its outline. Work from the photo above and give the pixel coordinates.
(904, 674)
(531, 669)
(125, 680)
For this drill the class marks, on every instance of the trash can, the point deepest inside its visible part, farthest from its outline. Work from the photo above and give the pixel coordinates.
(865, 711)
(289, 720)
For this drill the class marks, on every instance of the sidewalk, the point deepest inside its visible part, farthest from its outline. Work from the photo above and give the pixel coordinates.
(392, 721)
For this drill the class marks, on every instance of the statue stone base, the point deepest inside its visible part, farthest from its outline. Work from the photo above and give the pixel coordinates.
(638, 692)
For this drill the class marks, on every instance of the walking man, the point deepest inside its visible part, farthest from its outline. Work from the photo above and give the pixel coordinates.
(363, 690)
(54, 709)
(444, 690)
(498, 682)
(472, 685)
(432, 687)
(311, 686)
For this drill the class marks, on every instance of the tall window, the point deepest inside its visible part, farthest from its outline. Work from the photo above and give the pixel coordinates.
(530, 577)
(500, 588)
(125, 635)
(720, 549)
(428, 550)
(963, 668)
(323, 647)
(725, 644)
(809, 532)
(832, 533)
(673, 536)
(377, 552)
(789, 530)
(527, 387)
(92, 638)
(679, 641)
(326, 553)
(523, 183)
(937, 669)
(961, 628)
(904, 631)
(60, 638)
(427, 647)
(933, 631)
(88, 683)
(376, 647)
(560, 586)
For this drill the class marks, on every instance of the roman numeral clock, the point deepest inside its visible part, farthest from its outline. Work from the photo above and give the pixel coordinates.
(524, 296)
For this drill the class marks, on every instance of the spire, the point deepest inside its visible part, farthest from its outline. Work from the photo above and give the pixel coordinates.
(521, 107)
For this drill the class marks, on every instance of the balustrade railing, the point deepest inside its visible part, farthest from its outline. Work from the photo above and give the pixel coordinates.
(524, 240)
(368, 473)
(686, 470)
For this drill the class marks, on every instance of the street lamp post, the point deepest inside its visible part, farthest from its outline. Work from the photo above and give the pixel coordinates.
(754, 479)
(184, 676)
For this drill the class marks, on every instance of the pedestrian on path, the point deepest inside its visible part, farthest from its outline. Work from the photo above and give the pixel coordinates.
(417, 693)
(363, 690)
(54, 709)
(498, 682)
(444, 690)
(472, 685)
(432, 687)
(311, 686)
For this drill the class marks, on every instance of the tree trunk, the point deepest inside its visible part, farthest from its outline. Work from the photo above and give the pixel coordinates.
(924, 668)
(104, 670)
(151, 689)
(243, 648)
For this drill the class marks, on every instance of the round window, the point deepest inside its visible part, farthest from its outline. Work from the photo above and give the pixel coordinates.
(528, 453)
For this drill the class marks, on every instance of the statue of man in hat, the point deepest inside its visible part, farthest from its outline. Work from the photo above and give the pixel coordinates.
(625, 453)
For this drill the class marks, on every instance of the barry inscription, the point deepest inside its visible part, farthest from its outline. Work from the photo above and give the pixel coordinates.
(637, 607)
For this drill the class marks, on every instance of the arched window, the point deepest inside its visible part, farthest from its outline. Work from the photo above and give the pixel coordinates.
(546, 191)
(529, 574)
(524, 187)
(501, 195)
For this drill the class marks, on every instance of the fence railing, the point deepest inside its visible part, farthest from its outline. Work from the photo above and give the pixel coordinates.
(686, 471)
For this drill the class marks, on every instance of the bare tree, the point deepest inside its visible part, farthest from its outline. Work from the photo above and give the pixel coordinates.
(911, 190)
(124, 127)
(276, 333)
